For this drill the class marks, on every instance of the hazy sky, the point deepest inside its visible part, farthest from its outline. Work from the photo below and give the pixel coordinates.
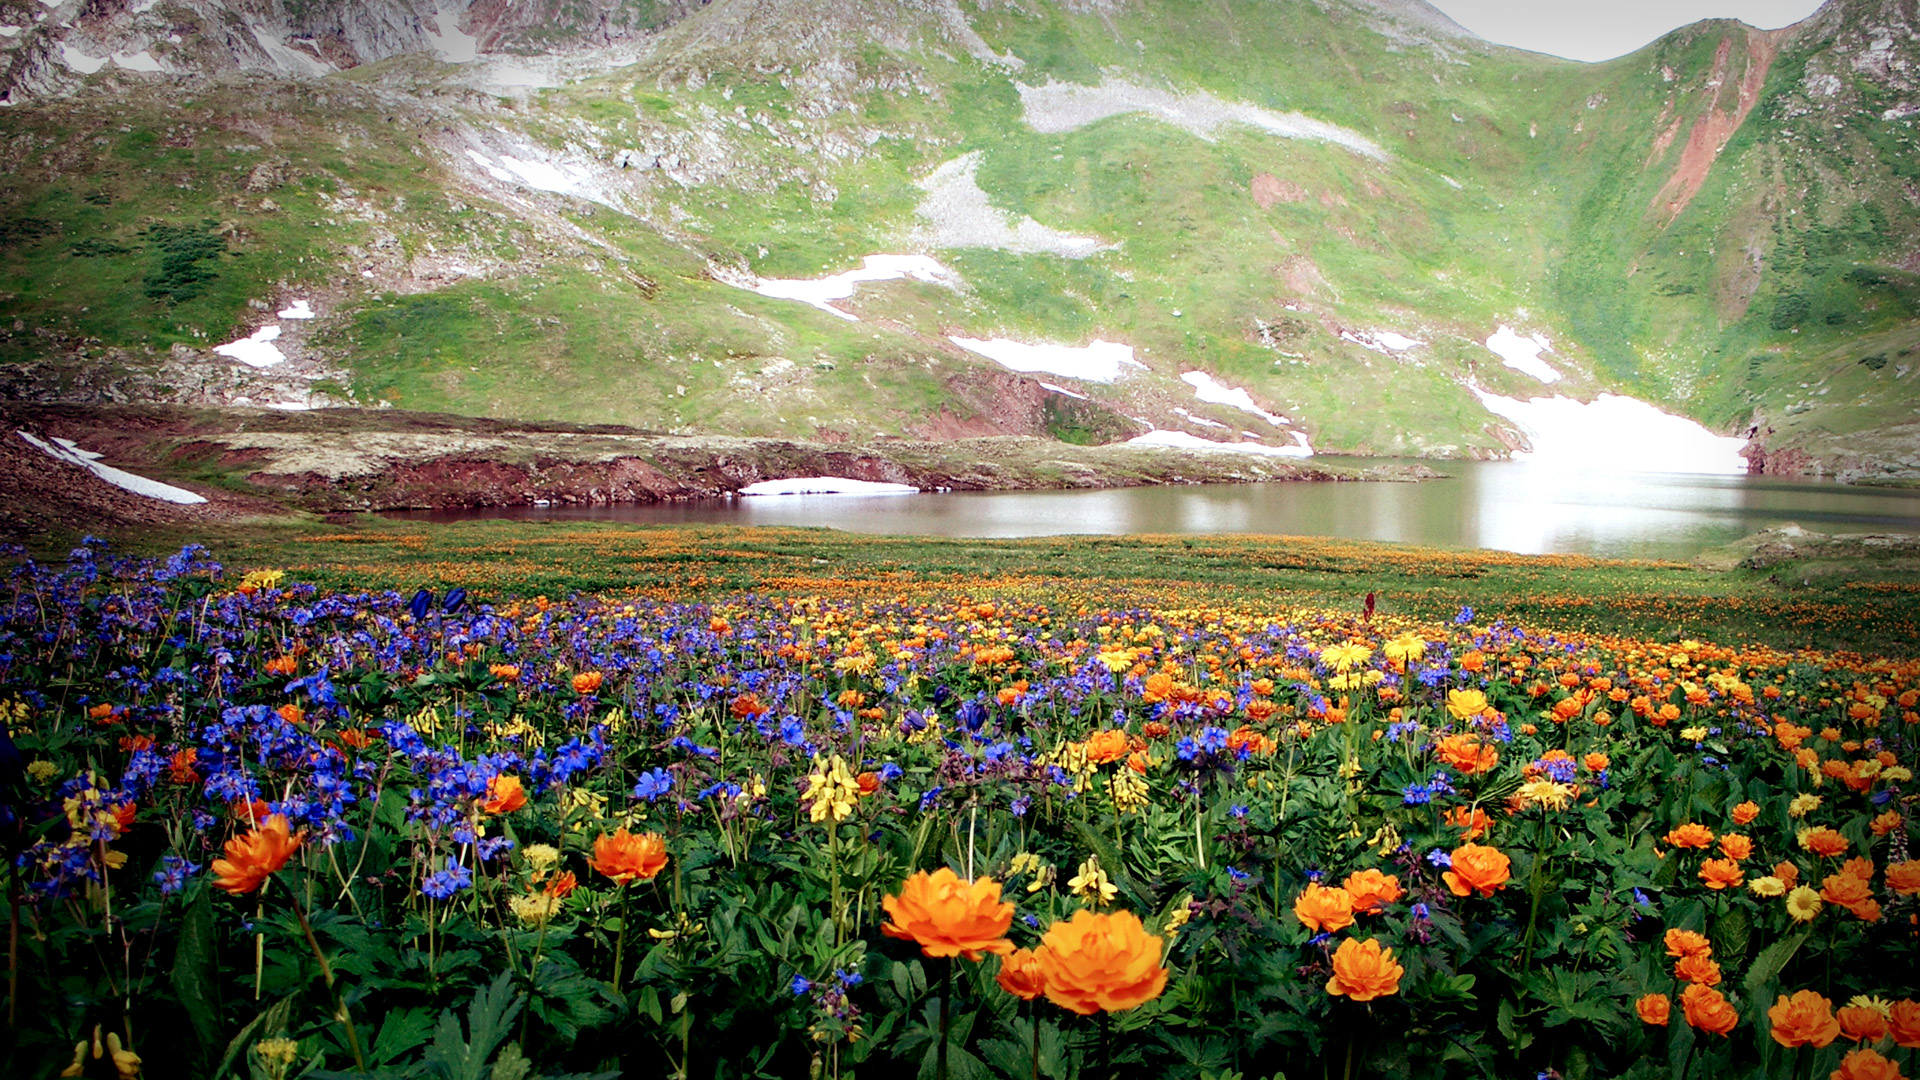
(1584, 30)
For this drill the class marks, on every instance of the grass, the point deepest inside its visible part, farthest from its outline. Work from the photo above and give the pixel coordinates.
(1860, 604)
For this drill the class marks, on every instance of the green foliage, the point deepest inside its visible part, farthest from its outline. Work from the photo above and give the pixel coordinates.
(182, 273)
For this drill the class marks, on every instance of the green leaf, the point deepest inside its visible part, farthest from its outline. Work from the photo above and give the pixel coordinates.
(193, 975)
(1771, 961)
(402, 1032)
(271, 1022)
(489, 1018)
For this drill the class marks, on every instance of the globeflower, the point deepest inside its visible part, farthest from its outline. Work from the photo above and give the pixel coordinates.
(1805, 1019)
(1687, 943)
(1904, 877)
(1822, 841)
(1469, 753)
(1653, 1009)
(1466, 704)
(1107, 745)
(1363, 970)
(1708, 1010)
(1324, 910)
(1736, 847)
(1477, 869)
(1721, 873)
(253, 858)
(504, 795)
(1099, 961)
(1744, 813)
(950, 916)
(1865, 1064)
(1697, 968)
(1372, 890)
(625, 857)
(1690, 835)
(1903, 1022)
(1861, 1023)
(1020, 975)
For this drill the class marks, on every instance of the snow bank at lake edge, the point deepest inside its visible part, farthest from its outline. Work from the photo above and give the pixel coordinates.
(1614, 433)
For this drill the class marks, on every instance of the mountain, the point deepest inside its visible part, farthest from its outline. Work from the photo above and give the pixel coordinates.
(1305, 218)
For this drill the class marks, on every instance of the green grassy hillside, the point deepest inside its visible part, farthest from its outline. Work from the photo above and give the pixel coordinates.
(1721, 223)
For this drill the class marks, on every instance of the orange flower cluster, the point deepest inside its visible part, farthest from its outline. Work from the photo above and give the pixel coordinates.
(1364, 970)
(624, 857)
(1098, 961)
(950, 916)
(253, 858)
(1477, 869)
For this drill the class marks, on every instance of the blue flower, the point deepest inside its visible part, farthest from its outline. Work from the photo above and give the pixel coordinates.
(173, 873)
(444, 883)
(800, 985)
(652, 784)
(1440, 859)
(1465, 617)
(1422, 911)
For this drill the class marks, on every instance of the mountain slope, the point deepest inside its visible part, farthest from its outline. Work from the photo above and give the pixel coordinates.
(1326, 207)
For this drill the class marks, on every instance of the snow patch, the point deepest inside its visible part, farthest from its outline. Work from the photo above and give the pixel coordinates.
(297, 310)
(1523, 353)
(959, 215)
(1233, 397)
(9, 31)
(1201, 420)
(449, 44)
(288, 58)
(1100, 361)
(140, 61)
(79, 61)
(1180, 440)
(256, 349)
(1380, 341)
(65, 450)
(1064, 390)
(561, 178)
(1623, 433)
(827, 485)
(1058, 107)
(821, 292)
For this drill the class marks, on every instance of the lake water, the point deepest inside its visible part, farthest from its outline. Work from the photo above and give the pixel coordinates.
(1510, 506)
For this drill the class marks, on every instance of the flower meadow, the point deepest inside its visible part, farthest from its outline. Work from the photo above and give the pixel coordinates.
(258, 830)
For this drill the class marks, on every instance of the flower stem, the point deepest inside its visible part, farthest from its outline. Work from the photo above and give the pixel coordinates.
(620, 940)
(1033, 1015)
(340, 1010)
(946, 996)
(1106, 1046)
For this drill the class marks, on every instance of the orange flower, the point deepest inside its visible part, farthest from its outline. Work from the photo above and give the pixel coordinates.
(1653, 1008)
(1020, 975)
(1744, 813)
(1324, 910)
(562, 885)
(1363, 970)
(1707, 1009)
(1108, 745)
(1861, 1023)
(1805, 1019)
(1859, 867)
(504, 795)
(1477, 869)
(1885, 822)
(1469, 753)
(1721, 873)
(1372, 890)
(1788, 873)
(587, 682)
(950, 916)
(1687, 943)
(1690, 835)
(1697, 968)
(1475, 821)
(1845, 890)
(1597, 762)
(625, 857)
(867, 782)
(1736, 847)
(1904, 877)
(1823, 841)
(1097, 961)
(253, 858)
(1866, 1064)
(1903, 1020)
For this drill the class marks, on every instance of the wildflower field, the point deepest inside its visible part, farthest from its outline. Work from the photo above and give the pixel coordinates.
(769, 807)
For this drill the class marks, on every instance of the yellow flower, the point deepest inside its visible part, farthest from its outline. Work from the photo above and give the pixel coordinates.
(1024, 863)
(1545, 794)
(1803, 904)
(1406, 648)
(831, 790)
(1129, 791)
(534, 909)
(1767, 886)
(1802, 805)
(542, 856)
(1342, 657)
(1182, 911)
(1092, 882)
(1116, 660)
(1466, 704)
(1693, 734)
(1877, 1004)
(1896, 774)
(41, 771)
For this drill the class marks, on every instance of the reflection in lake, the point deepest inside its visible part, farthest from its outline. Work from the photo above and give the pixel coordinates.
(1511, 506)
